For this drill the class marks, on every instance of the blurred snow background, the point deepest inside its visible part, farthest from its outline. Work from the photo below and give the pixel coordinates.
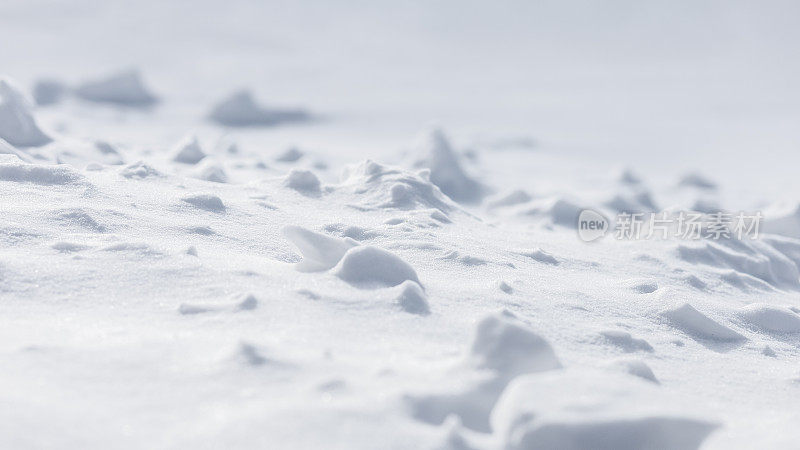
(659, 86)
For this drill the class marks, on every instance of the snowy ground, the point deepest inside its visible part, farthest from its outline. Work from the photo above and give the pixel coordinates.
(353, 225)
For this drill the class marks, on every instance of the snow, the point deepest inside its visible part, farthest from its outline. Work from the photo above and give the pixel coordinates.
(412, 299)
(18, 126)
(188, 151)
(770, 318)
(509, 348)
(188, 264)
(320, 252)
(700, 326)
(40, 174)
(581, 410)
(240, 109)
(48, 92)
(438, 155)
(208, 202)
(303, 181)
(125, 88)
(368, 266)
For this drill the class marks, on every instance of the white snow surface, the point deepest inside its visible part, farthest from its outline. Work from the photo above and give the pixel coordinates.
(184, 268)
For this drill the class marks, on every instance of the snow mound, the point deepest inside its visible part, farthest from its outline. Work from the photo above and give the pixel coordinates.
(580, 410)
(783, 220)
(246, 302)
(250, 355)
(109, 154)
(754, 258)
(626, 342)
(188, 151)
(445, 169)
(39, 174)
(369, 266)
(206, 202)
(635, 367)
(641, 286)
(632, 203)
(81, 218)
(539, 255)
(124, 88)
(558, 211)
(378, 186)
(10, 154)
(320, 252)
(48, 92)
(139, 170)
(512, 198)
(189, 309)
(291, 154)
(209, 170)
(770, 318)
(505, 346)
(502, 349)
(699, 326)
(412, 299)
(628, 176)
(17, 125)
(505, 287)
(697, 181)
(240, 109)
(303, 181)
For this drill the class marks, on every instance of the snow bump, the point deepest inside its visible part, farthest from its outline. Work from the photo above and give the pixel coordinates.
(17, 124)
(368, 266)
